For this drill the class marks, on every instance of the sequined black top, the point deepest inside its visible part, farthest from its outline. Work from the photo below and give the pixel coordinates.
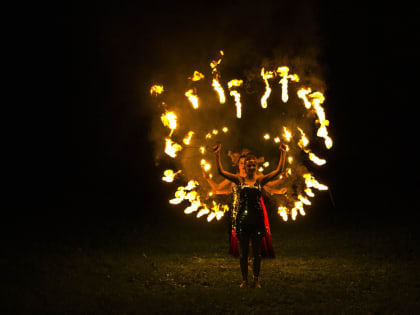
(250, 215)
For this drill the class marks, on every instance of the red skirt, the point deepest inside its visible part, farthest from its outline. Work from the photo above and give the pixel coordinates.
(266, 246)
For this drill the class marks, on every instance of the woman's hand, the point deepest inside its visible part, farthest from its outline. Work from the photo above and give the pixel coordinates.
(216, 148)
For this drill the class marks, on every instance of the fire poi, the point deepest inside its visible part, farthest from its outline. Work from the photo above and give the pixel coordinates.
(190, 128)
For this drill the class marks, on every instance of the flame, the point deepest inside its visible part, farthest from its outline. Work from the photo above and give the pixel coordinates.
(187, 139)
(171, 148)
(236, 95)
(302, 94)
(215, 132)
(298, 207)
(197, 76)
(266, 164)
(192, 97)
(317, 99)
(220, 214)
(156, 89)
(206, 166)
(266, 136)
(283, 211)
(290, 160)
(316, 159)
(287, 134)
(310, 182)
(309, 192)
(266, 75)
(169, 120)
(215, 83)
(277, 140)
(193, 207)
(284, 73)
(304, 200)
(169, 175)
(179, 196)
(303, 141)
(225, 129)
(203, 211)
(191, 184)
(202, 149)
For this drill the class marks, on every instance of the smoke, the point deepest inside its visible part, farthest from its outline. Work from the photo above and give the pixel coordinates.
(285, 35)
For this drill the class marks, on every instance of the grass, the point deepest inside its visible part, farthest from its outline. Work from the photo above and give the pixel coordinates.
(181, 266)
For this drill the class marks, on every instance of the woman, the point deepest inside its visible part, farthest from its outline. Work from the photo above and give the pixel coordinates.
(249, 224)
(227, 187)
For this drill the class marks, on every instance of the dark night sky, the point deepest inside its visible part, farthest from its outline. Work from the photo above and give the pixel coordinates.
(118, 50)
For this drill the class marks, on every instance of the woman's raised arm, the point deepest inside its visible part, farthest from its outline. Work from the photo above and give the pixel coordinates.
(232, 177)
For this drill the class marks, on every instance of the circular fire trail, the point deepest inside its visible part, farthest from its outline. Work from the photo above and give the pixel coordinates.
(209, 110)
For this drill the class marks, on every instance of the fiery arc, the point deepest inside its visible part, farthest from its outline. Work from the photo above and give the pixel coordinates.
(293, 138)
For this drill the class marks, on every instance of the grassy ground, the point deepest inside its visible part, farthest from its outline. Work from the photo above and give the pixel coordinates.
(182, 267)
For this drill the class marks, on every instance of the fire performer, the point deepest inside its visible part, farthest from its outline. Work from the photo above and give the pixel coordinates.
(227, 187)
(250, 217)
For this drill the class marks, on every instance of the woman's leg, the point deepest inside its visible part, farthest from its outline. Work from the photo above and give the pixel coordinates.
(243, 255)
(256, 240)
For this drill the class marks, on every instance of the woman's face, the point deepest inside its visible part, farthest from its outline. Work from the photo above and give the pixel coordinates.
(250, 166)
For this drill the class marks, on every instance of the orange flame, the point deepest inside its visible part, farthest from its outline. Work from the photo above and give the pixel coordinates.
(169, 175)
(266, 75)
(156, 89)
(197, 76)
(284, 73)
(187, 139)
(236, 95)
(192, 97)
(171, 148)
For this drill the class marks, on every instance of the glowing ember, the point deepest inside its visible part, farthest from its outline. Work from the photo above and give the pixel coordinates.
(156, 90)
(192, 97)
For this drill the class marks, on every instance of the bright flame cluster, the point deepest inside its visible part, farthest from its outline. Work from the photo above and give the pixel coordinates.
(291, 137)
